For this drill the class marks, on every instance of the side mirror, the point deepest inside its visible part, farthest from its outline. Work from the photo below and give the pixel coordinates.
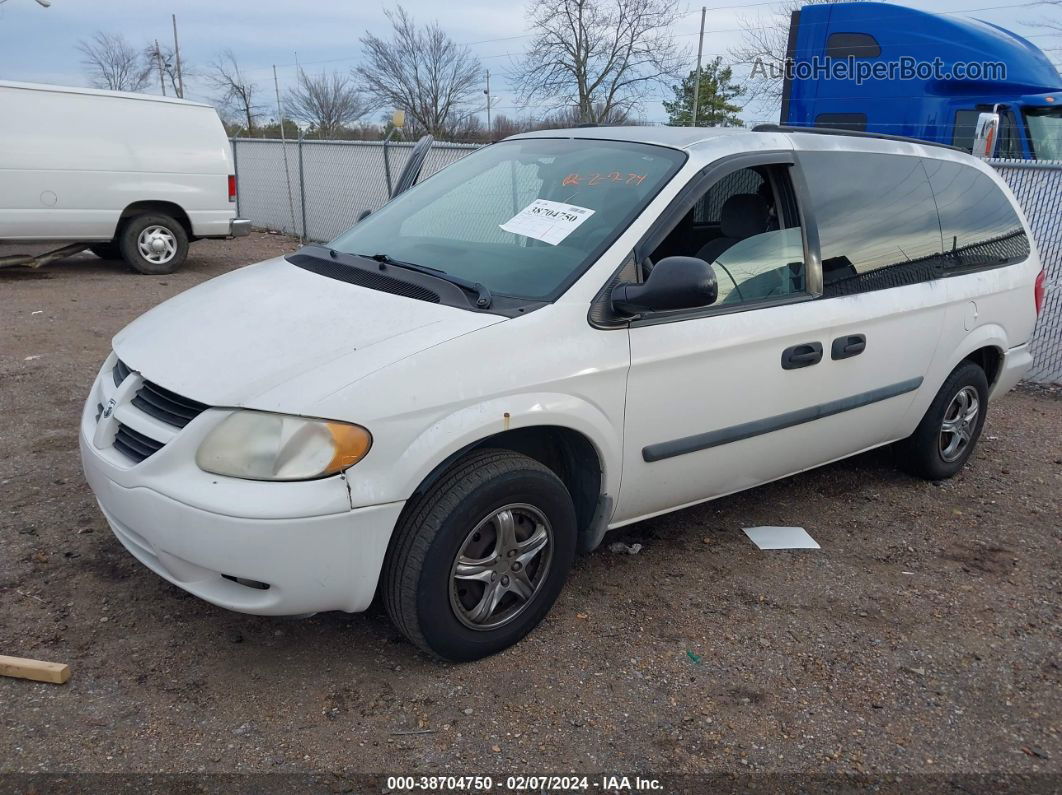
(986, 135)
(674, 283)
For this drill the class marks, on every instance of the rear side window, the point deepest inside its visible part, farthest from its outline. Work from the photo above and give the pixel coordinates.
(980, 227)
(877, 220)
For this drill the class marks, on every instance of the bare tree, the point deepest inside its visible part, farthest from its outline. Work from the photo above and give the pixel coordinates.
(237, 92)
(328, 102)
(599, 56)
(113, 64)
(422, 71)
(165, 55)
(573, 116)
(1052, 20)
(1051, 23)
(504, 126)
(764, 45)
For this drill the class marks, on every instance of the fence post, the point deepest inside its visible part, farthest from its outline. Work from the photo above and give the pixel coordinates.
(236, 171)
(302, 189)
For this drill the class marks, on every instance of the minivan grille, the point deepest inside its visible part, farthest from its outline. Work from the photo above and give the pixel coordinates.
(134, 445)
(119, 372)
(171, 408)
(159, 402)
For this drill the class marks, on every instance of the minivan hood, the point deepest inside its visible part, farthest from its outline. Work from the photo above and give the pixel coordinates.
(277, 337)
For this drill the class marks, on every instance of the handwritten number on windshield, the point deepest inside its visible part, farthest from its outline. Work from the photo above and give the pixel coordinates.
(595, 179)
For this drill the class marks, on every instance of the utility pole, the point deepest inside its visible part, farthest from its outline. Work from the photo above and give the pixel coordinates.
(280, 109)
(697, 84)
(284, 149)
(177, 57)
(490, 128)
(162, 73)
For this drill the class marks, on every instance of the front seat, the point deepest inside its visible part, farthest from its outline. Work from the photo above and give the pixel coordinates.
(742, 216)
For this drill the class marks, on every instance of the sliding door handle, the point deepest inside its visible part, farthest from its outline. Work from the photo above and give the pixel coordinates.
(803, 355)
(848, 346)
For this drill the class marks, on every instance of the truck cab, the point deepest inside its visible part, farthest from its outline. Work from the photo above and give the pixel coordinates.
(868, 67)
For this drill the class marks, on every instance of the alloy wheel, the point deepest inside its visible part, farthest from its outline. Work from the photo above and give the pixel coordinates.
(501, 566)
(960, 422)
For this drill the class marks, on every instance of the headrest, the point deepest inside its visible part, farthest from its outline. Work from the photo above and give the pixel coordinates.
(744, 215)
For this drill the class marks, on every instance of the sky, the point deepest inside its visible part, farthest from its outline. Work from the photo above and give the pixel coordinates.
(39, 44)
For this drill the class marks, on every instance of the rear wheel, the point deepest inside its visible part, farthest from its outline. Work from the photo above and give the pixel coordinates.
(479, 559)
(153, 244)
(948, 433)
(106, 250)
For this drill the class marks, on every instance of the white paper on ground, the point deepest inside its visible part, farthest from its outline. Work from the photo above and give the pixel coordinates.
(547, 220)
(781, 538)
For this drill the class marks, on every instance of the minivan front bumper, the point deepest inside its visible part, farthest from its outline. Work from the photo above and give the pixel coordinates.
(286, 565)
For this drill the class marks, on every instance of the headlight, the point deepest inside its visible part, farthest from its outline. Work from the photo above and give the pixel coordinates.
(258, 445)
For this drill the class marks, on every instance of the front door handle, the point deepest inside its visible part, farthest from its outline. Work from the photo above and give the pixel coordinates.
(848, 346)
(803, 355)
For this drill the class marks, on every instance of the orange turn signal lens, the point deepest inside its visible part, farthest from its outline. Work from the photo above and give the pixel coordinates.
(351, 444)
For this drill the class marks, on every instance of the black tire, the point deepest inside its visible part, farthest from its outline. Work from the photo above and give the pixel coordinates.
(106, 250)
(923, 453)
(129, 236)
(434, 529)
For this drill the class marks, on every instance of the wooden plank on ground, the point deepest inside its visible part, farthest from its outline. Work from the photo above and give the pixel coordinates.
(37, 670)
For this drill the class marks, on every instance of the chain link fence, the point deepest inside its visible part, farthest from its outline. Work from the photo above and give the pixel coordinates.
(317, 189)
(1038, 187)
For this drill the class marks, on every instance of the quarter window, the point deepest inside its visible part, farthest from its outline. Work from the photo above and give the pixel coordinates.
(980, 227)
(876, 218)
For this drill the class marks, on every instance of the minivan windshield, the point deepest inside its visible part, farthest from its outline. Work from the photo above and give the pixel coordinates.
(524, 218)
(1045, 131)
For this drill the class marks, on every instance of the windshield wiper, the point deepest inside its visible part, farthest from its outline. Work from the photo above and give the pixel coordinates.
(483, 296)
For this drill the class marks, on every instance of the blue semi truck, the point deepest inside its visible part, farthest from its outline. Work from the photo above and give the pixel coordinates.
(879, 68)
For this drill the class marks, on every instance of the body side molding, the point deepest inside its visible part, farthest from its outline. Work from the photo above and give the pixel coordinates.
(746, 430)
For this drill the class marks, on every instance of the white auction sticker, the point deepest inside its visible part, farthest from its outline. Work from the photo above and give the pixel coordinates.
(547, 221)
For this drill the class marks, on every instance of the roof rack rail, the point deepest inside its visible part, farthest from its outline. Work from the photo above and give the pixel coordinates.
(788, 128)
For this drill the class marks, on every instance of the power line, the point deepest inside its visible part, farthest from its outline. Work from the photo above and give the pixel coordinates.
(1025, 4)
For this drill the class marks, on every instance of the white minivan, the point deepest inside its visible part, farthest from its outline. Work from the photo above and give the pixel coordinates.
(133, 176)
(563, 333)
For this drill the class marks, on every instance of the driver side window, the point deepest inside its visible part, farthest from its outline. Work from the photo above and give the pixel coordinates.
(746, 226)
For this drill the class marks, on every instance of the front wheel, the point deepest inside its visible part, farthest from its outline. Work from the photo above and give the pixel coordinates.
(479, 559)
(153, 244)
(948, 433)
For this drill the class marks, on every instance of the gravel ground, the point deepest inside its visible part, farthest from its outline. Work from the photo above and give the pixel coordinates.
(923, 637)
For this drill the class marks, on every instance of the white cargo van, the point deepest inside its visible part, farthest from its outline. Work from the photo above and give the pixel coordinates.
(131, 175)
(561, 334)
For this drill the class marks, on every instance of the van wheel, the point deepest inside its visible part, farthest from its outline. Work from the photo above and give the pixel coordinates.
(153, 244)
(948, 433)
(479, 559)
(106, 250)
